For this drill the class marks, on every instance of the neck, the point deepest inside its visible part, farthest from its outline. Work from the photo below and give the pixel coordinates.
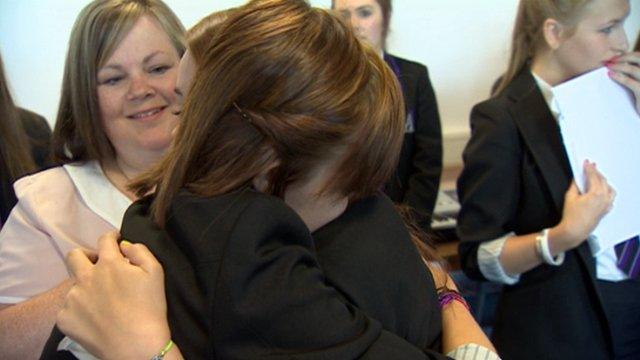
(120, 171)
(548, 69)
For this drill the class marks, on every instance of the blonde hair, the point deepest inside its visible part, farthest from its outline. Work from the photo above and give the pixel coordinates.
(101, 25)
(527, 33)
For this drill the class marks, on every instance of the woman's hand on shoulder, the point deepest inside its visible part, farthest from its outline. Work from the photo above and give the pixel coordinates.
(582, 212)
(626, 71)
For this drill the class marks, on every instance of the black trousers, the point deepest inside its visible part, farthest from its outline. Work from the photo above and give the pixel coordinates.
(622, 306)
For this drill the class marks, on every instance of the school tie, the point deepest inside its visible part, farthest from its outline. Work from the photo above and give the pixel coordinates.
(629, 257)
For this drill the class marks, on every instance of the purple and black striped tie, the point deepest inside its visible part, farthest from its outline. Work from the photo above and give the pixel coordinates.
(629, 257)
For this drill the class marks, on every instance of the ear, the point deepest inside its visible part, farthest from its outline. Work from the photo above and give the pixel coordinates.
(261, 181)
(554, 33)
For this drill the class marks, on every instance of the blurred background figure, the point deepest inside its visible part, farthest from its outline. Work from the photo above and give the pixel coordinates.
(417, 176)
(24, 145)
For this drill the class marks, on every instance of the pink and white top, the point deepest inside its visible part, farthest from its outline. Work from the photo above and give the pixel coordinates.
(58, 210)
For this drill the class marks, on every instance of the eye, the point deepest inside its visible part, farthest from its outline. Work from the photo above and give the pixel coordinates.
(160, 69)
(111, 81)
(364, 13)
(607, 30)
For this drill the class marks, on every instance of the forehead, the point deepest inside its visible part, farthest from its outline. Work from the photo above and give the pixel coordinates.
(354, 4)
(600, 12)
(145, 36)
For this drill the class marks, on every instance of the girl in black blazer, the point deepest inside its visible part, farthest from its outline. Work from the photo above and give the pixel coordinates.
(523, 221)
(417, 177)
(244, 275)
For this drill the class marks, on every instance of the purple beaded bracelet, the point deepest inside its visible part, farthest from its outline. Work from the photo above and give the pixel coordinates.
(446, 296)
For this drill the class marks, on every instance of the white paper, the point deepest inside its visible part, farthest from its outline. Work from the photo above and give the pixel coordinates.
(599, 122)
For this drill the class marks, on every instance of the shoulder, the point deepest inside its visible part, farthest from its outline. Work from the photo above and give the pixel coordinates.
(246, 213)
(44, 184)
(408, 66)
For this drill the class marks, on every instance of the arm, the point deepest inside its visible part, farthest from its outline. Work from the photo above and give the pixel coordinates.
(490, 187)
(32, 284)
(427, 157)
(26, 326)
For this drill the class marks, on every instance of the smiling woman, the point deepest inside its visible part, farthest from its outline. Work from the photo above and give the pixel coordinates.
(115, 120)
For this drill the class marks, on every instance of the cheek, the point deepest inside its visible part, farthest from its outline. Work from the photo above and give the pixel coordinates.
(110, 103)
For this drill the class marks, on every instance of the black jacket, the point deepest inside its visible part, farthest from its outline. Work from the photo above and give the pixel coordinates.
(417, 177)
(515, 175)
(39, 136)
(244, 281)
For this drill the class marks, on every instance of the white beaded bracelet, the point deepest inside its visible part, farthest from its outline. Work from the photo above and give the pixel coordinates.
(542, 247)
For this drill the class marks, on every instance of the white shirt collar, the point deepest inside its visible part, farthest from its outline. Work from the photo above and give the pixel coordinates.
(97, 192)
(547, 93)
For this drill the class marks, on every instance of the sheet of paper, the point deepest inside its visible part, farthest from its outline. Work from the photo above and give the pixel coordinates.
(599, 123)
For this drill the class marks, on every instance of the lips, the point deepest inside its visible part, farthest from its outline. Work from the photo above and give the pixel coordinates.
(146, 113)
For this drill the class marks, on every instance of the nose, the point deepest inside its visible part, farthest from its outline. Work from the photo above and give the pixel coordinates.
(621, 42)
(139, 88)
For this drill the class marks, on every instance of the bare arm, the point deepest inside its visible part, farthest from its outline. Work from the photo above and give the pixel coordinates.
(25, 327)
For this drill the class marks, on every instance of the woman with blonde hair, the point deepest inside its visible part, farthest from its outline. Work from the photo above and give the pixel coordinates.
(114, 121)
(523, 222)
(267, 216)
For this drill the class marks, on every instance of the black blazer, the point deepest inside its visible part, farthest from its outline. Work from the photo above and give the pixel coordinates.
(243, 282)
(417, 177)
(39, 136)
(515, 175)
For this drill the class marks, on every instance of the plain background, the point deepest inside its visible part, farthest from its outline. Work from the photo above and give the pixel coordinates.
(464, 43)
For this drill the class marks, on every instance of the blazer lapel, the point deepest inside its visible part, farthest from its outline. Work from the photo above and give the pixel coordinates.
(541, 135)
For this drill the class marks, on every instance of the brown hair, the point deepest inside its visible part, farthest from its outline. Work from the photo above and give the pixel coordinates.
(15, 155)
(298, 104)
(199, 36)
(527, 36)
(637, 47)
(79, 134)
(386, 7)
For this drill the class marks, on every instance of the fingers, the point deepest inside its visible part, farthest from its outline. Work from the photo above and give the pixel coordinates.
(626, 71)
(141, 256)
(594, 179)
(108, 246)
(78, 263)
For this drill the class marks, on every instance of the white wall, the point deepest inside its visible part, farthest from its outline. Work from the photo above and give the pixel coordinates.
(464, 43)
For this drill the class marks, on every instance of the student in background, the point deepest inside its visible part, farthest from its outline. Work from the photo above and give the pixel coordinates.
(417, 176)
(114, 121)
(280, 140)
(24, 145)
(523, 222)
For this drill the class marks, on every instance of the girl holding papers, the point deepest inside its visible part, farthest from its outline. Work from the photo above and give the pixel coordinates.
(523, 221)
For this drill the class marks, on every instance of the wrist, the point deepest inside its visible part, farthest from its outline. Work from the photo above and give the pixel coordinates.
(543, 249)
(560, 240)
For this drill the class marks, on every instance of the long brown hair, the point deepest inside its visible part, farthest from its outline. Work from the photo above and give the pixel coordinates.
(79, 134)
(527, 36)
(15, 153)
(306, 90)
(637, 47)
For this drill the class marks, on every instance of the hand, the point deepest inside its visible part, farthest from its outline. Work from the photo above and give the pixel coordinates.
(582, 212)
(117, 307)
(626, 71)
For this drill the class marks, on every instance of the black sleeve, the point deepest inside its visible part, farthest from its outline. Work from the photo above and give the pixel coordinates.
(39, 134)
(426, 162)
(272, 301)
(489, 186)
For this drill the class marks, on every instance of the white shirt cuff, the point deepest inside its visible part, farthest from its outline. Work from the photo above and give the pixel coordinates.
(489, 261)
(472, 352)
